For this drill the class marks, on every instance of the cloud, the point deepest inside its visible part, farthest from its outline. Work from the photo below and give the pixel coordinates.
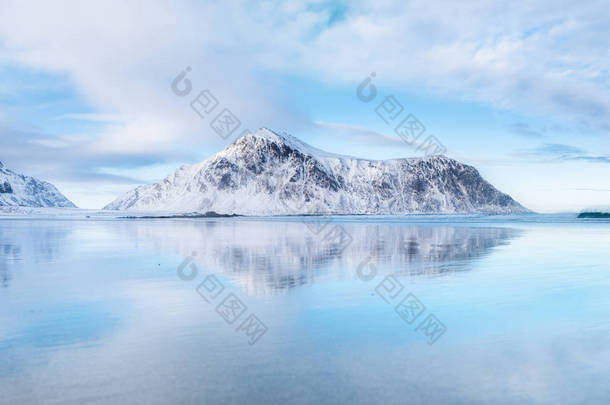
(593, 159)
(68, 158)
(557, 149)
(537, 57)
(564, 153)
(123, 70)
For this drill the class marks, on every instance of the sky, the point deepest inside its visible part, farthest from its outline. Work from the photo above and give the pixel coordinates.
(520, 91)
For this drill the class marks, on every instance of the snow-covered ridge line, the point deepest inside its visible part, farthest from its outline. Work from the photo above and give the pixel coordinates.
(270, 173)
(18, 190)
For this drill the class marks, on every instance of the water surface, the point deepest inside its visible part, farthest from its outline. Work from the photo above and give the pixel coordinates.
(109, 311)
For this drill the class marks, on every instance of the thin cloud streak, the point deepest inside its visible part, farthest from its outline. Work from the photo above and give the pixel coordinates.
(564, 153)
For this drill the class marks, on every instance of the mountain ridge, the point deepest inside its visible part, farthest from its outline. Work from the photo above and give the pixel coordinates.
(271, 173)
(19, 190)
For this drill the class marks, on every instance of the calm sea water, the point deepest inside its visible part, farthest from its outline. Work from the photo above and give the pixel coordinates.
(423, 309)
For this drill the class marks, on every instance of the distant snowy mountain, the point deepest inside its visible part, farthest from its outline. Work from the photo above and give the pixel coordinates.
(268, 173)
(24, 191)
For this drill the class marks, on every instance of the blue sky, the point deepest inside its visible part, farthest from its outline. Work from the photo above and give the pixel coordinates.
(518, 91)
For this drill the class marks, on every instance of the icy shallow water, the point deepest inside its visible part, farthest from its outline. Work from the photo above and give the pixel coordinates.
(108, 311)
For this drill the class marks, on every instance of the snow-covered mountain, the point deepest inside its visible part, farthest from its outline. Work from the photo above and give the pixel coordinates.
(268, 173)
(25, 191)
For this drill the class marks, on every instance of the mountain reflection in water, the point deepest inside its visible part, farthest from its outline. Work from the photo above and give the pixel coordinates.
(269, 256)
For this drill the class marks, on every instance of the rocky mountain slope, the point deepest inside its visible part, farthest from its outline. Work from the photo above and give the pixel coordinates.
(25, 191)
(268, 173)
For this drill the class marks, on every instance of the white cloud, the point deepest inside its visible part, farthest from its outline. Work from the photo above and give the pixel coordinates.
(547, 56)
